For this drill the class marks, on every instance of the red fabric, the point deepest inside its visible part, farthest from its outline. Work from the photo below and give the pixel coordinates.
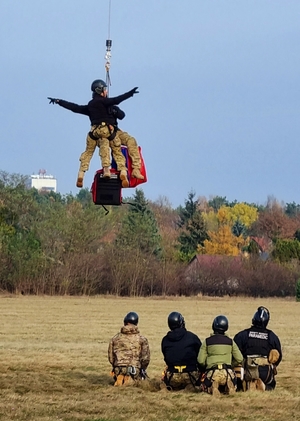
(133, 182)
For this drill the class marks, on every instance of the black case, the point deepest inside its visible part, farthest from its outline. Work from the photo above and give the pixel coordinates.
(107, 191)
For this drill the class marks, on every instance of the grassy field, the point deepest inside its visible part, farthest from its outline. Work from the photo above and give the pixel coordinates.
(54, 360)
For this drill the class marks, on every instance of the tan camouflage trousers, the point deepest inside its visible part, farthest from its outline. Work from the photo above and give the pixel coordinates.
(179, 381)
(86, 156)
(105, 149)
(133, 151)
(221, 378)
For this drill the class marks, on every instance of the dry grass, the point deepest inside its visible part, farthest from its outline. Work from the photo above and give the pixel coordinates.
(54, 360)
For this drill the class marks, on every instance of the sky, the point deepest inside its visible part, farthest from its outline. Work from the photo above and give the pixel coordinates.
(218, 108)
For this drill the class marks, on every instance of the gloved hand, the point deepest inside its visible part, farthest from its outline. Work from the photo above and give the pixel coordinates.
(134, 91)
(53, 100)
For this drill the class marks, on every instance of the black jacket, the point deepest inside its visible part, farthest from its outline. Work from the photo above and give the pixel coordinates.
(99, 109)
(258, 341)
(181, 347)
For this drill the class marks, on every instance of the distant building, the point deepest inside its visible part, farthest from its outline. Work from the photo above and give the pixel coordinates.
(43, 182)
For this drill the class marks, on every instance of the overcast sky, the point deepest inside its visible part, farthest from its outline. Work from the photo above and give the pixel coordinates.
(218, 108)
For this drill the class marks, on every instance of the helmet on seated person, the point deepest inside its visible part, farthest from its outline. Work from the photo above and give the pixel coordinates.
(261, 317)
(220, 324)
(175, 320)
(131, 318)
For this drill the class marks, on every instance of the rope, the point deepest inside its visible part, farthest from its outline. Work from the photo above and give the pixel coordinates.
(108, 51)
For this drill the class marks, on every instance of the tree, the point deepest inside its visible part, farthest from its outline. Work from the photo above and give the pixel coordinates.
(135, 250)
(286, 250)
(217, 202)
(241, 212)
(223, 242)
(292, 209)
(274, 224)
(186, 213)
(194, 229)
(238, 228)
(139, 228)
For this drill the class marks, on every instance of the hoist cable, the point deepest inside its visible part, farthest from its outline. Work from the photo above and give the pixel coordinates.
(108, 50)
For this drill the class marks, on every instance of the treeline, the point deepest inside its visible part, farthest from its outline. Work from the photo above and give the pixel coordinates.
(54, 244)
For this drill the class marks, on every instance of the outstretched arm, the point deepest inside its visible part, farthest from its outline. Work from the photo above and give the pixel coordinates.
(79, 109)
(117, 99)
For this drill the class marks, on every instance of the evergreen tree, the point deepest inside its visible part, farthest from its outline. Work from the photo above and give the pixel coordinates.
(186, 213)
(139, 228)
(195, 232)
(217, 202)
(238, 229)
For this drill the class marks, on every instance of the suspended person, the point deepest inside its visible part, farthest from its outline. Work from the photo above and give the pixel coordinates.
(102, 132)
(129, 353)
(261, 350)
(217, 355)
(128, 141)
(180, 349)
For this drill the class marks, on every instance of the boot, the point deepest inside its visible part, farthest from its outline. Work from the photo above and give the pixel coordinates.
(106, 172)
(79, 182)
(123, 177)
(128, 381)
(120, 380)
(231, 388)
(137, 174)
(260, 385)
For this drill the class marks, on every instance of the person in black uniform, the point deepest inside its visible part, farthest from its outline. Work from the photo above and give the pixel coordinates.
(102, 131)
(261, 350)
(180, 349)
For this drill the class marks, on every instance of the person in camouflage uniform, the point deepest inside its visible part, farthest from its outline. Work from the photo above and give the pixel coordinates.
(129, 353)
(217, 354)
(180, 349)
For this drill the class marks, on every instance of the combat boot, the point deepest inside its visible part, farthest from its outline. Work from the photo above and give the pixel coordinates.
(79, 182)
(137, 174)
(231, 387)
(260, 385)
(106, 172)
(128, 381)
(123, 177)
(120, 380)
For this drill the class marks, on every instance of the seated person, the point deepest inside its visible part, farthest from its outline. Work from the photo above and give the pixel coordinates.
(180, 350)
(129, 353)
(261, 350)
(216, 357)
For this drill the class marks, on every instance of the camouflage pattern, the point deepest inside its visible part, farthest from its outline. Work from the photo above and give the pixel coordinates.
(106, 147)
(86, 156)
(129, 349)
(102, 133)
(115, 146)
(179, 381)
(133, 151)
(223, 377)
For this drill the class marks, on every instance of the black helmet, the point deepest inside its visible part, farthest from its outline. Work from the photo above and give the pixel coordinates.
(220, 324)
(132, 318)
(98, 86)
(261, 317)
(175, 320)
